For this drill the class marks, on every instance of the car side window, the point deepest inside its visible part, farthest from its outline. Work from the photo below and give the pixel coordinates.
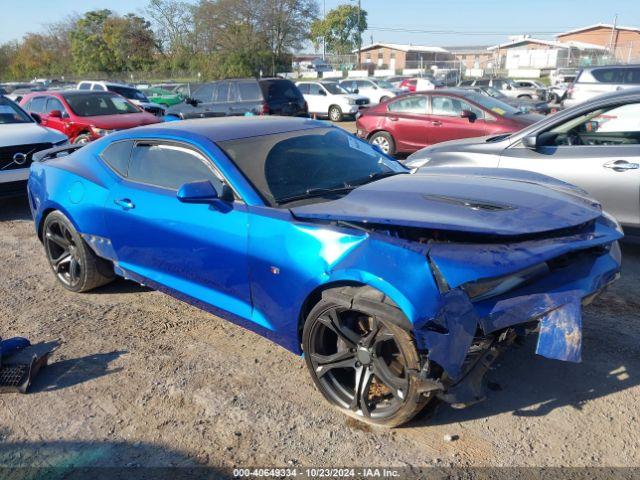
(204, 94)
(609, 75)
(117, 156)
(412, 104)
(314, 89)
(249, 91)
(38, 105)
(304, 88)
(233, 92)
(222, 95)
(169, 166)
(632, 76)
(452, 107)
(483, 83)
(97, 87)
(55, 104)
(616, 125)
(84, 86)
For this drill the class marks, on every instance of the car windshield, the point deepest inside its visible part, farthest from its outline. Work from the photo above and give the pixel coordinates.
(493, 105)
(11, 113)
(383, 84)
(128, 92)
(308, 164)
(334, 88)
(92, 104)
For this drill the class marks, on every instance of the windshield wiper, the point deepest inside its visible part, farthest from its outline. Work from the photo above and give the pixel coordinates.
(314, 192)
(376, 176)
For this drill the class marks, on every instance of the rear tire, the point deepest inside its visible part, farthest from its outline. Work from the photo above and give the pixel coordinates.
(361, 360)
(335, 113)
(385, 141)
(73, 262)
(384, 99)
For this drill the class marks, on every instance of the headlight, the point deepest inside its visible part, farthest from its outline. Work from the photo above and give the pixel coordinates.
(612, 221)
(101, 132)
(483, 289)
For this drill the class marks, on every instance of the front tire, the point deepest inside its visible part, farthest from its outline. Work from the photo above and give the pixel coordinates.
(384, 99)
(82, 139)
(361, 361)
(335, 113)
(73, 262)
(384, 140)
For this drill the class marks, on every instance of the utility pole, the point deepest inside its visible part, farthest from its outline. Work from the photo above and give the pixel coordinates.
(359, 36)
(324, 38)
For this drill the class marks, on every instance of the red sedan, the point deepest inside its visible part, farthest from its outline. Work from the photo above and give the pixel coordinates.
(84, 116)
(416, 120)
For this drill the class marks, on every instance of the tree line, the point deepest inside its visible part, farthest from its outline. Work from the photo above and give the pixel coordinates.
(216, 38)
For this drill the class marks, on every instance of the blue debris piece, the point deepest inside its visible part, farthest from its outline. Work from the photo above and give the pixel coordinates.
(12, 345)
(560, 335)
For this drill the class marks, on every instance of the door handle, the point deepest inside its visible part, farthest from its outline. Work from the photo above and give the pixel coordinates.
(621, 165)
(436, 123)
(125, 203)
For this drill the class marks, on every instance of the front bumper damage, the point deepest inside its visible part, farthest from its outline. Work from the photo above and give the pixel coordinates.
(464, 338)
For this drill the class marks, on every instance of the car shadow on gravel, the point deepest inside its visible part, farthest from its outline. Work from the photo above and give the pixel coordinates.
(15, 208)
(99, 460)
(121, 286)
(69, 372)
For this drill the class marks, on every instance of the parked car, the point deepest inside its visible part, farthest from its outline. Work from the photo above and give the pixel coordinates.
(376, 90)
(398, 286)
(413, 121)
(421, 84)
(83, 115)
(523, 104)
(134, 95)
(396, 80)
(164, 98)
(20, 137)
(593, 81)
(595, 145)
(508, 87)
(326, 98)
(447, 77)
(267, 96)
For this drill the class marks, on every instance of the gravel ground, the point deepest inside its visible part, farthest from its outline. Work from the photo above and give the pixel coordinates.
(139, 378)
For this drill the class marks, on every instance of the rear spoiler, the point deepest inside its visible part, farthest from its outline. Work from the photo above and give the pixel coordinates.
(44, 155)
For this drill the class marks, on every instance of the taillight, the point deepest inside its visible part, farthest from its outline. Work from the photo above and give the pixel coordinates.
(265, 109)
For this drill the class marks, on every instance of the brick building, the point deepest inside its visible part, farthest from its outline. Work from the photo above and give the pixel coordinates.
(396, 56)
(623, 42)
(471, 56)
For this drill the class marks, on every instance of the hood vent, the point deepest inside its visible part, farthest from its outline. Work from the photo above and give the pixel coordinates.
(472, 204)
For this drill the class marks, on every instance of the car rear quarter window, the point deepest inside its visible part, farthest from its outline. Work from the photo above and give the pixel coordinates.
(117, 156)
(632, 76)
(168, 166)
(249, 91)
(84, 86)
(280, 90)
(304, 88)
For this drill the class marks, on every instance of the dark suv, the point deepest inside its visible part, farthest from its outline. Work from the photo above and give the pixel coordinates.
(267, 96)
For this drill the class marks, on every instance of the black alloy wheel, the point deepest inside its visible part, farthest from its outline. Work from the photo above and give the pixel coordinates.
(62, 253)
(362, 364)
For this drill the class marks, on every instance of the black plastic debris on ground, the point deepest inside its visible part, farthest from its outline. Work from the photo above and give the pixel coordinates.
(17, 375)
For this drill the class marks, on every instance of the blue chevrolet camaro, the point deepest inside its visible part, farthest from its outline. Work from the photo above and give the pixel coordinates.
(398, 286)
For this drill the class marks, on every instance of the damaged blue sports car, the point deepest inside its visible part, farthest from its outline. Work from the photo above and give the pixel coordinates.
(398, 286)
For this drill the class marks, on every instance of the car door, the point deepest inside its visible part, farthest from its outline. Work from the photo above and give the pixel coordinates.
(598, 151)
(199, 250)
(408, 122)
(316, 99)
(59, 123)
(446, 122)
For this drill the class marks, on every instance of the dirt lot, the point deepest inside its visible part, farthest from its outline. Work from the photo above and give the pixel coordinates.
(139, 378)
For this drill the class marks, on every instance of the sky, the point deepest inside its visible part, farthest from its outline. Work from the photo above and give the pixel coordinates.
(421, 22)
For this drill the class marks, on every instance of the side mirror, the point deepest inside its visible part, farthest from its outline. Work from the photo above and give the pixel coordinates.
(469, 115)
(530, 141)
(323, 93)
(36, 117)
(356, 90)
(203, 191)
(191, 101)
(55, 114)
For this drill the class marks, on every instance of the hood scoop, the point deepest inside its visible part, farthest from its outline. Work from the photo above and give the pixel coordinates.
(472, 204)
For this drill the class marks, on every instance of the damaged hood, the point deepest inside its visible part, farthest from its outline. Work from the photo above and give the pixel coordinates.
(478, 201)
